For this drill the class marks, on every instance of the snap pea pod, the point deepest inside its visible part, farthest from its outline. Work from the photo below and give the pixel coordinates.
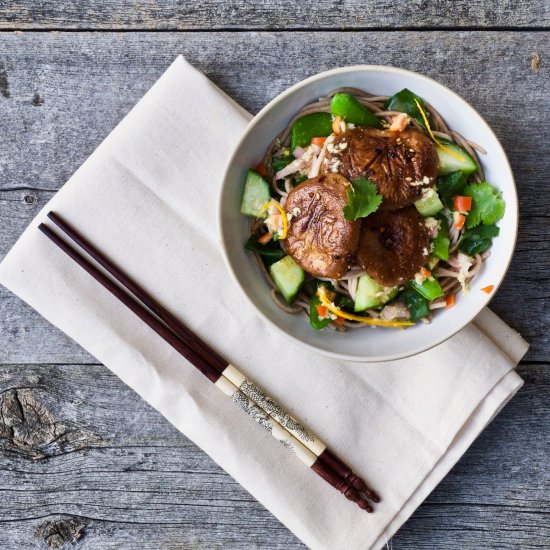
(404, 102)
(442, 241)
(348, 108)
(308, 127)
(430, 289)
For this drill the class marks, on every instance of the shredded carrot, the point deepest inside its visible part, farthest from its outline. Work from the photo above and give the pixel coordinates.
(325, 300)
(339, 320)
(436, 141)
(425, 273)
(460, 220)
(462, 203)
(488, 289)
(320, 141)
(265, 238)
(278, 206)
(450, 301)
(262, 170)
(322, 311)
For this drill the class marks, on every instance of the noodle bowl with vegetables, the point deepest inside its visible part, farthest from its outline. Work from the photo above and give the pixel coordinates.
(369, 211)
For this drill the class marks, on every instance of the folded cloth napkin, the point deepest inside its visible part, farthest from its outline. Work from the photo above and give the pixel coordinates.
(147, 198)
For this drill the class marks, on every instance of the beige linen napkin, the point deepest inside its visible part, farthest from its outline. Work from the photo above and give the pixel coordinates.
(147, 197)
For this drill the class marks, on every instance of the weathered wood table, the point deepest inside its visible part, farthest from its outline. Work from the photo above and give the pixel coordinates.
(82, 458)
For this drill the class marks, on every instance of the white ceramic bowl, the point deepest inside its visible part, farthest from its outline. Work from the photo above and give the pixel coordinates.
(367, 344)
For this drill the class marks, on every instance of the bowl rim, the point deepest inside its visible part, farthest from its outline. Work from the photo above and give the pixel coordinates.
(320, 76)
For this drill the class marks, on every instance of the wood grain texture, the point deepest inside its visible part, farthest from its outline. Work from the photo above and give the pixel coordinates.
(68, 90)
(140, 482)
(265, 14)
(83, 460)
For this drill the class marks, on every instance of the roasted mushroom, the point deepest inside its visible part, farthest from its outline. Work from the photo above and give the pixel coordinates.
(319, 238)
(401, 164)
(393, 246)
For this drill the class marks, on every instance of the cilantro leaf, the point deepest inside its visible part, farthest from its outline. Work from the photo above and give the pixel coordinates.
(363, 199)
(487, 206)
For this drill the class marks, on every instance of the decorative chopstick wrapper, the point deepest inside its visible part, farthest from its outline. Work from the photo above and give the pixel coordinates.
(253, 400)
(264, 419)
(310, 440)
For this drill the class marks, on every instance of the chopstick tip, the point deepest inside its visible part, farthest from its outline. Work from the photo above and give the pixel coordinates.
(368, 509)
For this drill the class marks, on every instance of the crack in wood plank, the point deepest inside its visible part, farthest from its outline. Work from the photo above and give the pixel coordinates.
(151, 15)
(4, 84)
(135, 471)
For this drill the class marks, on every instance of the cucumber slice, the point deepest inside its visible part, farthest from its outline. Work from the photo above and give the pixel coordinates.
(288, 276)
(429, 204)
(256, 194)
(371, 294)
(347, 107)
(308, 127)
(453, 157)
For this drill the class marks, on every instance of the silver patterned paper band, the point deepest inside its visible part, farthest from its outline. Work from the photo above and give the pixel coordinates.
(266, 421)
(275, 411)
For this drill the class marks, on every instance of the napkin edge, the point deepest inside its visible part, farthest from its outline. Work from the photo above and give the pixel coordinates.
(485, 412)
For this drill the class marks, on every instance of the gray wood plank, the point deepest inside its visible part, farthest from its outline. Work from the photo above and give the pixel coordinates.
(134, 479)
(285, 14)
(64, 92)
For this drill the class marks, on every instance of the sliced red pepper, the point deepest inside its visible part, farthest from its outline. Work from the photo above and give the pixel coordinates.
(460, 220)
(320, 141)
(265, 238)
(262, 170)
(322, 311)
(462, 204)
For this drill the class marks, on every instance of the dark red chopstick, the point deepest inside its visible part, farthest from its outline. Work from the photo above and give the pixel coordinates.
(194, 349)
(211, 356)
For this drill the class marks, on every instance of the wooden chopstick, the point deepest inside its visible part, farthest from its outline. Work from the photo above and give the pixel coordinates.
(311, 441)
(255, 402)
